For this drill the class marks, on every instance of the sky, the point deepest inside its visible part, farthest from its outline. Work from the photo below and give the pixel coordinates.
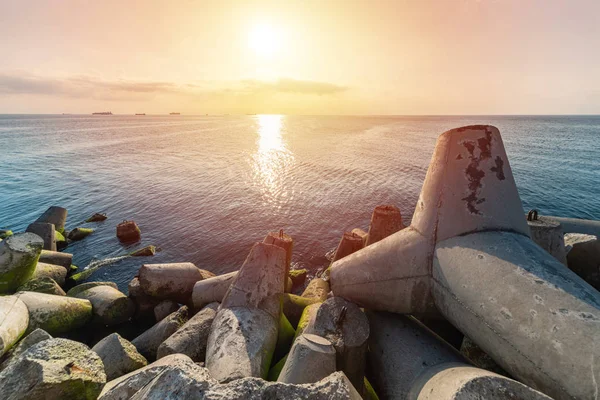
(401, 57)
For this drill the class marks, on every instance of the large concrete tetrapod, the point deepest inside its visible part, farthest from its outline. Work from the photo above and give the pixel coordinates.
(468, 251)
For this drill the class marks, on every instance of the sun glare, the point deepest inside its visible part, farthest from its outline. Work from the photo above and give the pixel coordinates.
(264, 40)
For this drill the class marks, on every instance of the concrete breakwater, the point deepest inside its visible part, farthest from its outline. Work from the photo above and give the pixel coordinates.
(370, 326)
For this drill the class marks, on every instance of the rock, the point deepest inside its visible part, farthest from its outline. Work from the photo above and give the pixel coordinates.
(55, 314)
(293, 307)
(349, 244)
(191, 339)
(147, 251)
(548, 234)
(244, 333)
(298, 277)
(54, 369)
(148, 342)
(347, 328)
(119, 356)
(14, 319)
(178, 376)
(317, 289)
(79, 234)
(18, 257)
(583, 257)
(385, 221)
(75, 290)
(54, 215)
(170, 281)
(55, 272)
(42, 285)
(164, 308)
(311, 359)
(4, 233)
(211, 289)
(46, 232)
(57, 258)
(109, 306)
(34, 337)
(128, 232)
(97, 217)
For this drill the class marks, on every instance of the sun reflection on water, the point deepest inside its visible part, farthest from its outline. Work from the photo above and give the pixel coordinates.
(272, 160)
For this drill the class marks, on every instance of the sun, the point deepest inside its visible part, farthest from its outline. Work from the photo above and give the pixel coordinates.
(264, 40)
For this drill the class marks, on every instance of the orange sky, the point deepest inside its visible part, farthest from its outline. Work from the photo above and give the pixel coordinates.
(301, 57)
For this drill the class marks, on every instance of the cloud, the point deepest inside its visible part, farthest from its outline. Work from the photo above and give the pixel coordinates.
(98, 88)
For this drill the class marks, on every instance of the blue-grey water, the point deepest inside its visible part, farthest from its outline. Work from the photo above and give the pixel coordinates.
(205, 189)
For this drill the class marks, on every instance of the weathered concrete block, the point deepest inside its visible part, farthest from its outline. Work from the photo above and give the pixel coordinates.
(75, 290)
(364, 235)
(119, 356)
(350, 243)
(170, 281)
(34, 337)
(147, 251)
(385, 221)
(298, 277)
(57, 258)
(284, 241)
(311, 359)
(548, 234)
(408, 361)
(54, 272)
(46, 232)
(128, 232)
(18, 257)
(308, 315)
(144, 304)
(55, 314)
(54, 215)
(469, 224)
(79, 234)
(191, 339)
(164, 308)
(109, 305)
(54, 369)
(148, 342)
(478, 357)
(317, 289)
(285, 337)
(211, 289)
(14, 319)
(347, 328)
(42, 285)
(583, 257)
(293, 306)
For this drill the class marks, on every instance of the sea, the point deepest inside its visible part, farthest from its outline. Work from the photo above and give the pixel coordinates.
(206, 188)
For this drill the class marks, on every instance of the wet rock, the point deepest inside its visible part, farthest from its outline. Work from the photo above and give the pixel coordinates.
(298, 277)
(79, 234)
(583, 257)
(42, 285)
(34, 337)
(191, 339)
(119, 356)
(18, 258)
(54, 215)
(171, 281)
(46, 232)
(55, 272)
(55, 314)
(75, 290)
(97, 217)
(311, 359)
(147, 251)
(54, 369)
(109, 306)
(148, 342)
(386, 220)
(164, 308)
(128, 232)
(57, 258)
(211, 289)
(317, 289)
(14, 319)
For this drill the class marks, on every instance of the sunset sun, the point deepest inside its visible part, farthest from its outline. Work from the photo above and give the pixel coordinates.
(264, 40)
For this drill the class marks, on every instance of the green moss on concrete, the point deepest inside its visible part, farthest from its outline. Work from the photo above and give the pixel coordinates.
(82, 276)
(293, 306)
(21, 272)
(285, 337)
(58, 235)
(80, 233)
(42, 285)
(74, 291)
(369, 392)
(305, 318)
(147, 251)
(58, 315)
(4, 233)
(276, 370)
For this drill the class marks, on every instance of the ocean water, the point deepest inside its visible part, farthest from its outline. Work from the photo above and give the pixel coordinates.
(205, 189)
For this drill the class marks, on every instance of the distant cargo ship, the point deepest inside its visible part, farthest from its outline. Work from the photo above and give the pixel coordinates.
(140, 114)
(174, 114)
(103, 113)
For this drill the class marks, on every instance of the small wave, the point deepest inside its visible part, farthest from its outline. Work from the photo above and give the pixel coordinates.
(105, 262)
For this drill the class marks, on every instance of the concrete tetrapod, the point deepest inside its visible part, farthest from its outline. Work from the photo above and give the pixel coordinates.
(119, 356)
(46, 232)
(244, 333)
(350, 243)
(170, 281)
(18, 257)
(385, 221)
(311, 359)
(284, 241)
(14, 319)
(408, 361)
(468, 251)
(584, 257)
(57, 258)
(212, 289)
(54, 272)
(54, 215)
(548, 234)
(109, 305)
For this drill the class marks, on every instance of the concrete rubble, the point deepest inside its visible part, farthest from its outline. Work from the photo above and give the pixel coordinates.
(517, 295)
